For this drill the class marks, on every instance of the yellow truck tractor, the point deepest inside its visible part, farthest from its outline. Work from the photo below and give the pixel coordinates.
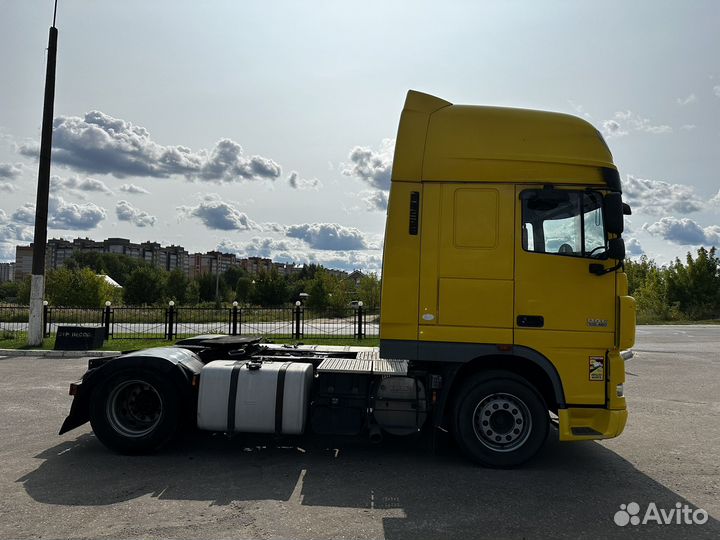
(505, 308)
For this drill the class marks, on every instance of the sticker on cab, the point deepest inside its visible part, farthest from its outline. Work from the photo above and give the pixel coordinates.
(597, 368)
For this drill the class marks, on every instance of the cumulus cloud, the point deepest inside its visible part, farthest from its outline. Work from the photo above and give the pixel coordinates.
(301, 183)
(101, 144)
(75, 185)
(219, 215)
(11, 170)
(127, 212)
(684, 231)
(657, 197)
(7, 186)
(132, 188)
(692, 98)
(372, 166)
(63, 214)
(633, 247)
(625, 121)
(13, 231)
(328, 236)
(376, 200)
(74, 216)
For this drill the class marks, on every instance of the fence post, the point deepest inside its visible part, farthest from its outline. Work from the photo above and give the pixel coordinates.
(234, 331)
(106, 319)
(170, 319)
(46, 321)
(360, 331)
(297, 334)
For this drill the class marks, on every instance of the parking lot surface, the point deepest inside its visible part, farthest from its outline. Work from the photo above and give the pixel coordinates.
(210, 487)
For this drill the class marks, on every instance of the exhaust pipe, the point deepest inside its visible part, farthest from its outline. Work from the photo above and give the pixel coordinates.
(376, 435)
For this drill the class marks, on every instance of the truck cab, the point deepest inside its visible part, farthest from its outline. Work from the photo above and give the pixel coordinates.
(503, 252)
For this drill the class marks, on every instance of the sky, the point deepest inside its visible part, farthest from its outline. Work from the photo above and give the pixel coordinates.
(267, 128)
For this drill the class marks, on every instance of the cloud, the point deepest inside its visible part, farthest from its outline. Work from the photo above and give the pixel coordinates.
(376, 200)
(126, 212)
(611, 128)
(658, 198)
(13, 231)
(65, 215)
(692, 98)
(101, 144)
(7, 186)
(625, 121)
(132, 188)
(219, 215)
(687, 127)
(373, 167)
(328, 236)
(301, 183)
(716, 90)
(633, 247)
(684, 231)
(75, 185)
(11, 171)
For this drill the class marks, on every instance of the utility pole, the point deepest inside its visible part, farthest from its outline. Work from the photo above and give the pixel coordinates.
(37, 284)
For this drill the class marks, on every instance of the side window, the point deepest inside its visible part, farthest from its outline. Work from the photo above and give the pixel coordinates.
(593, 223)
(562, 222)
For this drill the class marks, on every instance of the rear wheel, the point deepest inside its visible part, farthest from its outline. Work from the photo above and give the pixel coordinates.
(134, 412)
(500, 421)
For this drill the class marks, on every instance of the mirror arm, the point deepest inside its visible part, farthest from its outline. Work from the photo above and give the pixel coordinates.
(600, 270)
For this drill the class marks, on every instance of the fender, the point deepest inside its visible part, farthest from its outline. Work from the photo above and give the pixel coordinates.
(178, 364)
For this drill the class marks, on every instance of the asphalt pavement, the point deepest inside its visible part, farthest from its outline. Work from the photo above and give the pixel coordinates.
(208, 486)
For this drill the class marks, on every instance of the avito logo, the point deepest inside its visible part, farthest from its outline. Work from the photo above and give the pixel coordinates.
(682, 514)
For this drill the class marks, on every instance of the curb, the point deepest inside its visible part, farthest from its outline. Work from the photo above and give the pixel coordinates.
(56, 354)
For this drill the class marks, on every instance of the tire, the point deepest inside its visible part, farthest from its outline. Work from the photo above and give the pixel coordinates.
(500, 421)
(135, 412)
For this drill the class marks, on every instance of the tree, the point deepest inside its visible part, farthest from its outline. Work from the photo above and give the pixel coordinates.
(695, 287)
(145, 286)
(176, 286)
(369, 291)
(270, 289)
(9, 291)
(77, 288)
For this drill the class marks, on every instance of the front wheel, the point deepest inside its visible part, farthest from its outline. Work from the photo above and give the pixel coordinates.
(500, 421)
(134, 412)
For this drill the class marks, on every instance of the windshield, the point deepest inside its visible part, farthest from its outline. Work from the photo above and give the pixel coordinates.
(563, 222)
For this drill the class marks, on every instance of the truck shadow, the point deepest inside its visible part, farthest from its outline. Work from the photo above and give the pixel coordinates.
(568, 491)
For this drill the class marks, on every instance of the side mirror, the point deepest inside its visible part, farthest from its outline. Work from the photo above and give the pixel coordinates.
(616, 249)
(613, 211)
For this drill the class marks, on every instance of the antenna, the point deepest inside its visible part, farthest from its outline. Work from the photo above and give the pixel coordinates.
(55, 12)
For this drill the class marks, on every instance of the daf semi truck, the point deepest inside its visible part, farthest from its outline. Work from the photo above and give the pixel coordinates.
(504, 309)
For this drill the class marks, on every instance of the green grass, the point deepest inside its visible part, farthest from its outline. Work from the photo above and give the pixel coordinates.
(18, 340)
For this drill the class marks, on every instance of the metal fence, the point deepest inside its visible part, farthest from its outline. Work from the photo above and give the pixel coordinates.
(172, 322)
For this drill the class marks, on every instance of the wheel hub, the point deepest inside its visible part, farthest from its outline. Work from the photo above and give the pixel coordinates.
(502, 422)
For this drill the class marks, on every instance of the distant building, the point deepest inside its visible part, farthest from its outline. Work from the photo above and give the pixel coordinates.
(7, 271)
(256, 265)
(58, 251)
(210, 262)
(23, 262)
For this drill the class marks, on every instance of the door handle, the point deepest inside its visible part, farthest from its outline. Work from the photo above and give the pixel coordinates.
(531, 321)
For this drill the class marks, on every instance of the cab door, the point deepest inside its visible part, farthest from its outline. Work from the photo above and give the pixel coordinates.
(562, 310)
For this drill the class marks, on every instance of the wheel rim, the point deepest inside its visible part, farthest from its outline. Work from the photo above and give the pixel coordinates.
(134, 408)
(502, 422)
